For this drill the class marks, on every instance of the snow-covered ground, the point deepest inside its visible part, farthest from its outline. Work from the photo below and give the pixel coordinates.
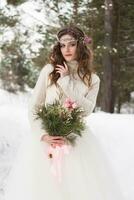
(13, 128)
(115, 132)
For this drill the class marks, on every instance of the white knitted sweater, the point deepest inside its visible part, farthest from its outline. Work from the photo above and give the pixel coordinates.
(69, 86)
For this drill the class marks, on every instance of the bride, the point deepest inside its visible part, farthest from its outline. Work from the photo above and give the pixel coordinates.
(86, 173)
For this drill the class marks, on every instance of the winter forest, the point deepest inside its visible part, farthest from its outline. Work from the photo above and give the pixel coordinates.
(28, 31)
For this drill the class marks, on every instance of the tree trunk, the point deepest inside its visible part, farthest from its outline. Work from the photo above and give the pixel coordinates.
(116, 59)
(75, 10)
(108, 96)
(118, 105)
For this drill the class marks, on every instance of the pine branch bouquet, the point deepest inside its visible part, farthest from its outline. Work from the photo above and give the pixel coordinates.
(62, 120)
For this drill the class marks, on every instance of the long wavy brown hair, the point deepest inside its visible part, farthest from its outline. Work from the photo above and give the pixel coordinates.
(84, 55)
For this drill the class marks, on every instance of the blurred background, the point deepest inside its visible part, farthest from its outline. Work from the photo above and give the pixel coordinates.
(28, 31)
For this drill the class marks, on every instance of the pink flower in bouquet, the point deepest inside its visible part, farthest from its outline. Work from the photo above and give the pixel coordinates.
(70, 104)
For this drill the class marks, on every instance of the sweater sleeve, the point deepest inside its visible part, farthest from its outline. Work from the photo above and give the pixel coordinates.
(71, 88)
(37, 99)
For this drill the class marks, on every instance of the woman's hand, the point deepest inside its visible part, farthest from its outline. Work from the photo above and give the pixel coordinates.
(53, 140)
(63, 71)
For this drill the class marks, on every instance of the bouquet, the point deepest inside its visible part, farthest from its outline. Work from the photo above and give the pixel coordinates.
(62, 119)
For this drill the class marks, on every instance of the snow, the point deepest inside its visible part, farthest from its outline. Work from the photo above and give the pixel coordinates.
(14, 127)
(2, 3)
(115, 132)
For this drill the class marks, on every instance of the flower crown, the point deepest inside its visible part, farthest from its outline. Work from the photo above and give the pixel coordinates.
(85, 39)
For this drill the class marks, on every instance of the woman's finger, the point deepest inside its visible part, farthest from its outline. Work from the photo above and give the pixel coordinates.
(57, 139)
(66, 67)
(60, 69)
(57, 136)
(57, 142)
(60, 66)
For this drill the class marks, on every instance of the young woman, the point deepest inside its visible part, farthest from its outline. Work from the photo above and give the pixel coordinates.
(86, 173)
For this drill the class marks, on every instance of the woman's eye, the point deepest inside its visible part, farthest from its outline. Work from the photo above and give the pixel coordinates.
(73, 44)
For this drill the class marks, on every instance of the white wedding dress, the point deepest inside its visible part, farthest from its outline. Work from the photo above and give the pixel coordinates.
(86, 174)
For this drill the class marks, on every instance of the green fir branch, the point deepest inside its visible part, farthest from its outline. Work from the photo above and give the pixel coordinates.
(60, 121)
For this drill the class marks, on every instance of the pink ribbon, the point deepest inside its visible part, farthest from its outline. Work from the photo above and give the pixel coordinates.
(56, 155)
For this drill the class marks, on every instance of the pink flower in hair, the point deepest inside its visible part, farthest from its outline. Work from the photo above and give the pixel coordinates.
(87, 40)
(70, 104)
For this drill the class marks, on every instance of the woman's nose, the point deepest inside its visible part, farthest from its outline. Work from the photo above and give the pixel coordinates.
(67, 49)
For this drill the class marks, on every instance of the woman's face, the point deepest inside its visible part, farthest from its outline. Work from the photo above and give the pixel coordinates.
(68, 46)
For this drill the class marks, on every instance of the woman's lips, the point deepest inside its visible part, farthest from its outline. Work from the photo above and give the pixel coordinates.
(68, 55)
